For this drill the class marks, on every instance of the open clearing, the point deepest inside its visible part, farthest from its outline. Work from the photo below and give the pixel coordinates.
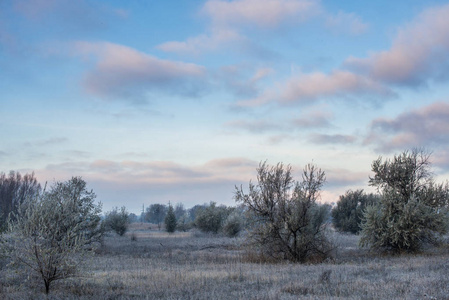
(193, 265)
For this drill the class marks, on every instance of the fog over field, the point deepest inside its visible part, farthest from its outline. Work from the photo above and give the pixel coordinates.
(158, 101)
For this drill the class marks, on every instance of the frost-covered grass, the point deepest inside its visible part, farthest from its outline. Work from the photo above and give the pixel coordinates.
(191, 265)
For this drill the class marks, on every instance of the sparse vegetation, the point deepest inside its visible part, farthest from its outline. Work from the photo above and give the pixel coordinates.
(51, 232)
(200, 266)
(287, 223)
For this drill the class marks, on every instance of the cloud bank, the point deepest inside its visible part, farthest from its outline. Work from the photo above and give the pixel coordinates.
(121, 71)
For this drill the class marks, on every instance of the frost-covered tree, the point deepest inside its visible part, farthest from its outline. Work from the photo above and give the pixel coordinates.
(287, 222)
(51, 231)
(412, 209)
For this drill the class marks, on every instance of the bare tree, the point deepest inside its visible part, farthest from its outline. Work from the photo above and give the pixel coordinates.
(286, 220)
(50, 231)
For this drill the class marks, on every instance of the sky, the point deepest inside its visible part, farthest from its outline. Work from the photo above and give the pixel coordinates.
(180, 100)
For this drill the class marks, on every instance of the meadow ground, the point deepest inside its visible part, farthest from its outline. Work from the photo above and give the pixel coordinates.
(151, 264)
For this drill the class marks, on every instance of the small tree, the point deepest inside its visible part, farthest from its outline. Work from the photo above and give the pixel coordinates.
(347, 215)
(287, 222)
(117, 221)
(412, 209)
(52, 230)
(156, 214)
(170, 220)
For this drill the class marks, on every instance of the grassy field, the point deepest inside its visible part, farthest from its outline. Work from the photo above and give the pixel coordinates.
(192, 265)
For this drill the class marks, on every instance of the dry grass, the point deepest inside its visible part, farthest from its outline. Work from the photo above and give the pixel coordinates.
(191, 265)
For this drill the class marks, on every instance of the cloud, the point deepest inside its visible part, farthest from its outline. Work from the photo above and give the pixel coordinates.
(121, 71)
(308, 88)
(332, 139)
(243, 79)
(427, 127)
(229, 18)
(204, 42)
(136, 182)
(71, 15)
(343, 22)
(259, 126)
(315, 119)
(250, 12)
(338, 177)
(419, 52)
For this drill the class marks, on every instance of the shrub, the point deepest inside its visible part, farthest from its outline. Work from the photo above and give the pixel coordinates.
(183, 223)
(117, 221)
(211, 218)
(233, 224)
(412, 209)
(51, 230)
(287, 223)
(347, 215)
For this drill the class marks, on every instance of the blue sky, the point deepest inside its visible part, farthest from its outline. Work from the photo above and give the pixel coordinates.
(158, 101)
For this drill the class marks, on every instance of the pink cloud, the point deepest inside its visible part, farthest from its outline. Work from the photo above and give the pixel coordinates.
(270, 13)
(228, 17)
(307, 88)
(123, 71)
(315, 85)
(203, 42)
(424, 127)
(419, 51)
